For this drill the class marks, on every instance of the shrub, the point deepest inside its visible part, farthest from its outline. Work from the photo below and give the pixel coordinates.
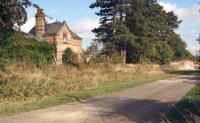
(101, 58)
(68, 57)
(165, 53)
(21, 48)
(117, 59)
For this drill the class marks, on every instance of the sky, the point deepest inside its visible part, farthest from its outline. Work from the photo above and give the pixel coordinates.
(81, 19)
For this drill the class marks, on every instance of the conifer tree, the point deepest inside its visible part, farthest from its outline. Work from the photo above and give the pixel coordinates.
(152, 25)
(138, 29)
(113, 31)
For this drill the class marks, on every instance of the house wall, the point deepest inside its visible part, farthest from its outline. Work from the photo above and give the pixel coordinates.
(75, 45)
(49, 39)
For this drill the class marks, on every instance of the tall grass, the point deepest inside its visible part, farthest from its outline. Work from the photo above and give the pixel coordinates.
(187, 110)
(22, 81)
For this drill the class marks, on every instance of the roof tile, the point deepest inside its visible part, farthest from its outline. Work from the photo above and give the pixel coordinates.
(53, 28)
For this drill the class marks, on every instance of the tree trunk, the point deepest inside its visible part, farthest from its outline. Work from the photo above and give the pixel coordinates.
(110, 52)
(123, 53)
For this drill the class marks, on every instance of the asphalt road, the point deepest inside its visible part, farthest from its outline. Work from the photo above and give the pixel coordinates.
(142, 104)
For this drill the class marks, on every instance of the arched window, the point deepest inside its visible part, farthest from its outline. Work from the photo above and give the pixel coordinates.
(64, 37)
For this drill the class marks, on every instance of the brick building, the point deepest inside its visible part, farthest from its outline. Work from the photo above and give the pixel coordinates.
(57, 33)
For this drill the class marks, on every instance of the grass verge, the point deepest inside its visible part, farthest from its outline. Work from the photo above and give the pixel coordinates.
(187, 108)
(70, 96)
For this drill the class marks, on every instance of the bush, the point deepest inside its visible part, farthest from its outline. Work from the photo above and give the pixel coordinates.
(101, 58)
(117, 59)
(165, 53)
(68, 57)
(21, 48)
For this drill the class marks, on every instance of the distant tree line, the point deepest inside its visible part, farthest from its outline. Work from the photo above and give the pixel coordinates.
(139, 31)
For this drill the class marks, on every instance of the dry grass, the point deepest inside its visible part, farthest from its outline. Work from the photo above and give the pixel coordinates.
(22, 82)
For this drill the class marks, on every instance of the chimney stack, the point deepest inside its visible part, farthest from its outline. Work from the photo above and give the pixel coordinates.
(40, 23)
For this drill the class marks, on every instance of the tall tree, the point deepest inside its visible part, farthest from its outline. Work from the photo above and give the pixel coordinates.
(12, 14)
(151, 24)
(138, 29)
(113, 31)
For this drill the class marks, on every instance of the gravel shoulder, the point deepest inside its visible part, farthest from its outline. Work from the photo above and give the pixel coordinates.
(142, 104)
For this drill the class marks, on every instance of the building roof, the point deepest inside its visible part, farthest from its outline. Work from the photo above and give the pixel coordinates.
(53, 28)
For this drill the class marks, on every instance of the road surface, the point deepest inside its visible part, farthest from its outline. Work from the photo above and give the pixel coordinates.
(142, 104)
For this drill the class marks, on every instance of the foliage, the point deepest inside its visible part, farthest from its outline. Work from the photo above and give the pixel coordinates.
(137, 29)
(165, 53)
(92, 50)
(13, 12)
(104, 59)
(68, 57)
(187, 110)
(152, 26)
(99, 59)
(20, 48)
(96, 55)
(12, 15)
(113, 30)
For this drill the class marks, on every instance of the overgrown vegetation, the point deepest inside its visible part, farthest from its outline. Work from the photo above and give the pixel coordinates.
(68, 57)
(21, 48)
(22, 81)
(16, 46)
(12, 15)
(188, 109)
(23, 89)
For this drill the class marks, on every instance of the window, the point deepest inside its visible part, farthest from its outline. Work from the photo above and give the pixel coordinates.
(64, 38)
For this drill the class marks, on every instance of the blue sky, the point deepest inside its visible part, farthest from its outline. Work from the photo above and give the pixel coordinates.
(82, 19)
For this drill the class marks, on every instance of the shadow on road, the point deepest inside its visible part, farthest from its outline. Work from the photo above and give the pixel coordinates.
(119, 108)
(140, 111)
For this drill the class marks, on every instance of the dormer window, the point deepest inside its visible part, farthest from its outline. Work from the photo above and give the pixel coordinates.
(64, 38)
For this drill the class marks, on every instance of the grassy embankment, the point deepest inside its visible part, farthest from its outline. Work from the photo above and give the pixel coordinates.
(24, 88)
(187, 108)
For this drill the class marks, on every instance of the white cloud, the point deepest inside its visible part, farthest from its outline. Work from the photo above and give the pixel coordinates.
(168, 6)
(84, 27)
(189, 29)
(185, 14)
(28, 25)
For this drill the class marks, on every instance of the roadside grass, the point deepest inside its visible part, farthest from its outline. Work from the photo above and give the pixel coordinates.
(181, 72)
(71, 96)
(188, 109)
